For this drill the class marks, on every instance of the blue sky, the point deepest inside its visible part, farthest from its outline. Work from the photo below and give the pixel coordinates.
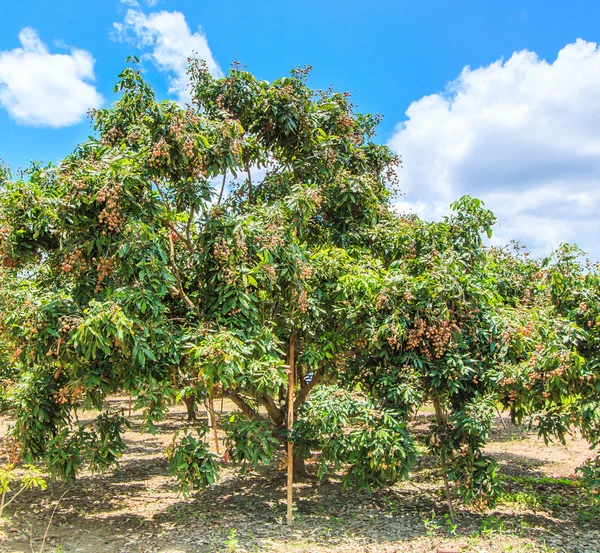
(516, 130)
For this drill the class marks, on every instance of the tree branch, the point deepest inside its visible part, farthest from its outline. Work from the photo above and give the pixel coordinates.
(306, 389)
(274, 412)
(222, 187)
(188, 228)
(247, 163)
(242, 405)
(180, 289)
(185, 240)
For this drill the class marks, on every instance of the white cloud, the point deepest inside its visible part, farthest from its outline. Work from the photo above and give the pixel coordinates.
(171, 43)
(523, 135)
(44, 89)
(136, 4)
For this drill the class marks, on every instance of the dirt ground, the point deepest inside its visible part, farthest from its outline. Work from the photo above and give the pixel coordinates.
(136, 508)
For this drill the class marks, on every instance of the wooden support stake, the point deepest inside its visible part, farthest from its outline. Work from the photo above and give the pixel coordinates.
(290, 425)
(213, 423)
(440, 418)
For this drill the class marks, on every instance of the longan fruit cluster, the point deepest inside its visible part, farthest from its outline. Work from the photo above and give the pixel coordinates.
(345, 122)
(111, 215)
(189, 148)
(176, 126)
(229, 276)
(271, 238)
(527, 330)
(111, 136)
(158, 153)
(192, 117)
(411, 252)
(303, 303)
(221, 250)
(315, 197)
(69, 395)
(72, 260)
(11, 450)
(305, 270)
(134, 137)
(394, 338)
(424, 337)
(241, 245)
(270, 271)
(105, 269)
(67, 324)
(383, 299)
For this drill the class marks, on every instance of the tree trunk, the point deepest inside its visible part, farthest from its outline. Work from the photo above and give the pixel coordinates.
(300, 468)
(190, 405)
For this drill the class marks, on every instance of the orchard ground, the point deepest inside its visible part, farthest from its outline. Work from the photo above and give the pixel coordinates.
(136, 508)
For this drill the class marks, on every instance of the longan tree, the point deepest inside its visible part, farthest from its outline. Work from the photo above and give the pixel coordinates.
(245, 246)
(551, 340)
(182, 252)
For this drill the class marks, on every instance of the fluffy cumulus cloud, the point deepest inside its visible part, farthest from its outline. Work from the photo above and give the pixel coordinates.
(524, 136)
(170, 42)
(44, 89)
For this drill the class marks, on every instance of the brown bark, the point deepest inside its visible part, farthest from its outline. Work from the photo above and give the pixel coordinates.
(300, 472)
(276, 414)
(190, 405)
(306, 389)
(222, 188)
(242, 405)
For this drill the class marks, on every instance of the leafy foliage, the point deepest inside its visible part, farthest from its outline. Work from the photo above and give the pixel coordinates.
(352, 430)
(192, 464)
(250, 442)
(181, 252)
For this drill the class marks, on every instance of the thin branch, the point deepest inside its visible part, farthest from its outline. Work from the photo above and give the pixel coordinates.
(7, 503)
(249, 181)
(210, 407)
(180, 289)
(501, 418)
(188, 243)
(50, 522)
(185, 240)
(188, 228)
(290, 427)
(222, 187)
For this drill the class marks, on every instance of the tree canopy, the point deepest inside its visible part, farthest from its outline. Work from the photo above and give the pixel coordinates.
(200, 251)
